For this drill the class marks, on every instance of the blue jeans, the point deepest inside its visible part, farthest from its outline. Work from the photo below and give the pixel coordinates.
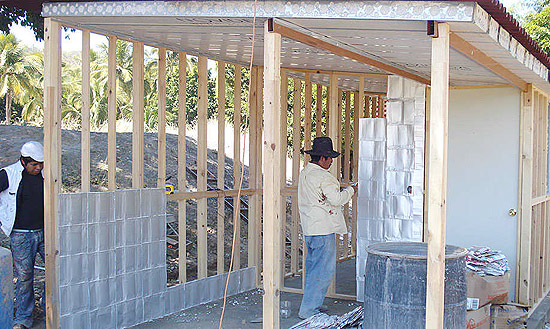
(320, 268)
(24, 246)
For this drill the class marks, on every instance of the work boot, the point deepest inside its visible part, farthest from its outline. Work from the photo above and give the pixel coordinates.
(19, 326)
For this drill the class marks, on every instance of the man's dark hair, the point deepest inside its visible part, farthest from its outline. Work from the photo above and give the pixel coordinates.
(27, 160)
(315, 158)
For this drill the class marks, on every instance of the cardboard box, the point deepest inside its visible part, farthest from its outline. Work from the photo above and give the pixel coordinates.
(488, 289)
(479, 319)
(510, 316)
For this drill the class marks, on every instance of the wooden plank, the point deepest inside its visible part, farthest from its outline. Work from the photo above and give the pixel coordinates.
(347, 169)
(437, 184)
(138, 116)
(52, 166)
(237, 163)
(85, 135)
(182, 171)
(329, 295)
(111, 114)
(296, 145)
(333, 118)
(478, 56)
(338, 164)
(253, 167)
(283, 141)
(294, 32)
(272, 181)
(307, 117)
(259, 177)
(202, 117)
(319, 111)
(427, 98)
(220, 253)
(357, 109)
(161, 170)
(179, 196)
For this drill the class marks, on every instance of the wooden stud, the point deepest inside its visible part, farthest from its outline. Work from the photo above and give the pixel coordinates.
(427, 98)
(296, 146)
(272, 181)
(182, 168)
(111, 114)
(237, 161)
(253, 167)
(52, 166)
(202, 117)
(347, 167)
(319, 111)
(283, 141)
(221, 168)
(85, 135)
(357, 109)
(161, 170)
(259, 176)
(138, 116)
(437, 184)
(307, 117)
(333, 118)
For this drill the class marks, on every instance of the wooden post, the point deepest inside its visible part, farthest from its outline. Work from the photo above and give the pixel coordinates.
(358, 106)
(523, 282)
(259, 176)
(202, 116)
(319, 111)
(52, 166)
(283, 154)
(347, 167)
(85, 135)
(253, 167)
(220, 253)
(161, 174)
(307, 117)
(437, 182)
(272, 181)
(111, 114)
(237, 163)
(296, 145)
(332, 123)
(138, 116)
(182, 168)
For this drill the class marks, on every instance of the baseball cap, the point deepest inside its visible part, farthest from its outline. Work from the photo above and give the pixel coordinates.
(34, 150)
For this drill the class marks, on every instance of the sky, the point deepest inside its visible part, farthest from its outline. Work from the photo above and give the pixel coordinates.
(74, 40)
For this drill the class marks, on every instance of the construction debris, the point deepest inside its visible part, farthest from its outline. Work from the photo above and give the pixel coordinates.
(485, 261)
(352, 319)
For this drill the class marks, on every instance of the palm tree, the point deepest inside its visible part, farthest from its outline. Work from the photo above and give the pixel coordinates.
(16, 72)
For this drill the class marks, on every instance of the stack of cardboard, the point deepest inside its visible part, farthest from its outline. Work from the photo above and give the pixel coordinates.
(488, 284)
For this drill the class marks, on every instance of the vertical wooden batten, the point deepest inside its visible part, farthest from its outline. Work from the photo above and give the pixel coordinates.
(182, 168)
(437, 181)
(85, 135)
(161, 174)
(221, 168)
(253, 160)
(52, 166)
(111, 114)
(272, 181)
(237, 162)
(202, 116)
(282, 162)
(138, 116)
(296, 145)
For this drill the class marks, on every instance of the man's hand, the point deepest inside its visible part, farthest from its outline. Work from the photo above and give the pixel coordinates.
(355, 188)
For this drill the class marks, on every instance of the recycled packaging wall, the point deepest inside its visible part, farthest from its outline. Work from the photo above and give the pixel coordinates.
(113, 262)
(391, 172)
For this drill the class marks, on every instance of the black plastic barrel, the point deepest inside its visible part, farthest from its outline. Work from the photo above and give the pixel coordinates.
(395, 286)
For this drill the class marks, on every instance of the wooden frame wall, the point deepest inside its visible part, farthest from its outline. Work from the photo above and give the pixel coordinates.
(533, 264)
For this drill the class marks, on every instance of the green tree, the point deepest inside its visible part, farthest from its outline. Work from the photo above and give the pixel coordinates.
(537, 23)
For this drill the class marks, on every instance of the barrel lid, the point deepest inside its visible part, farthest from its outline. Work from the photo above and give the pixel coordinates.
(413, 250)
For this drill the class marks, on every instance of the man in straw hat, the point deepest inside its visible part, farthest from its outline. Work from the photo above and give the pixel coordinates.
(22, 219)
(320, 202)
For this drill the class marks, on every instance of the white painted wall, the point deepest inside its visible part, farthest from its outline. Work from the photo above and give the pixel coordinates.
(483, 169)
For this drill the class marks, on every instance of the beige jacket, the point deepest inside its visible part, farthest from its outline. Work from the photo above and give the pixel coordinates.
(320, 201)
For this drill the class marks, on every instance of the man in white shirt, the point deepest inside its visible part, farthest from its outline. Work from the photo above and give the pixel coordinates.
(320, 202)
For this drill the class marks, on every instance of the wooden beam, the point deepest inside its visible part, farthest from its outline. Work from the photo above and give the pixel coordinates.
(220, 252)
(182, 168)
(52, 166)
(237, 160)
(339, 73)
(253, 167)
(85, 135)
(138, 116)
(259, 177)
(111, 114)
(332, 122)
(316, 40)
(478, 56)
(161, 170)
(296, 145)
(307, 117)
(282, 162)
(272, 181)
(358, 105)
(202, 117)
(319, 111)
(347, 168)
(437, 183)
(210, 194)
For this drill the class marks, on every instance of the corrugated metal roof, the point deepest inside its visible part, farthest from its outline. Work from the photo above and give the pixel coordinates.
(493, 7)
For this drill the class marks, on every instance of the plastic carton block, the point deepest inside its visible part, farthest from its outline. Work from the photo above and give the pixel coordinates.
(100, 207)
(102, 293)
(103, 318)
